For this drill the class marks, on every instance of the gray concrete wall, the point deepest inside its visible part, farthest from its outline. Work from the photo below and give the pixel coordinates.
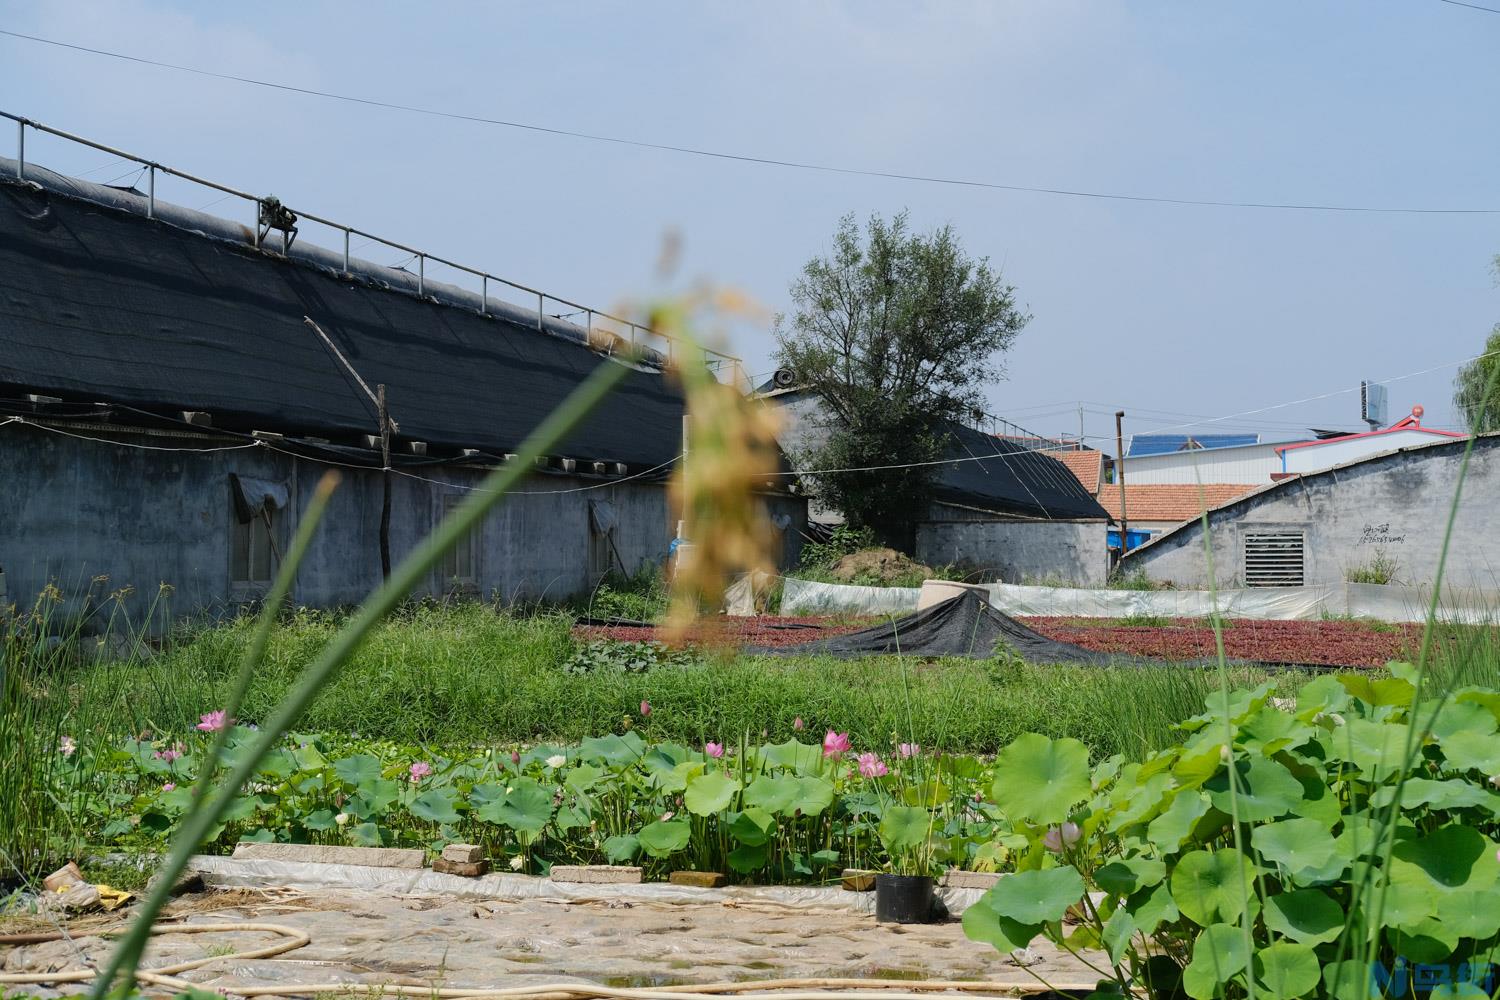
(92, 518)
(1016, 551)
(1396, 505)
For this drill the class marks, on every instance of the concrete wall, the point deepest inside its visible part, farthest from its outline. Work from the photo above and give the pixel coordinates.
(1014, 551)
(1395, 506)
(73, 510)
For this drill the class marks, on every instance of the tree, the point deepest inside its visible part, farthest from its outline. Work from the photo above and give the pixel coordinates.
(897, 333)
(1475, 394)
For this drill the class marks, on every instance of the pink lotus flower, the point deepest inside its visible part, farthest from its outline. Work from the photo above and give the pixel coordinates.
(212, 722)
(645, 709)
(420, 770)
(798, 724)
(909, 750)
(66, 746)
(170, 754)
(835, 744)
(515, 757)
(871, 766)
(714, 750)
(1059, 837)
(169, 786)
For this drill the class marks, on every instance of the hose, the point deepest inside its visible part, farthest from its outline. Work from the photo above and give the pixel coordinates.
(785, 989)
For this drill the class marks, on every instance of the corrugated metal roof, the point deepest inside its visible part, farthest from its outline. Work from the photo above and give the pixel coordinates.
(1162, 444)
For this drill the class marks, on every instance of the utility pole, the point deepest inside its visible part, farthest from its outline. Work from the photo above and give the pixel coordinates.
(385, 483)
(1120, 479)
(1080, 426)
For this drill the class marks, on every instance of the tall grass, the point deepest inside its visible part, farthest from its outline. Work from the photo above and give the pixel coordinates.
(45, 723)
(472, 674)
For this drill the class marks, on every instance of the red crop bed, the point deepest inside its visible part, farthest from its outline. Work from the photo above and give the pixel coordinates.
(1326, 642)
(723, 630)
(1348, 643)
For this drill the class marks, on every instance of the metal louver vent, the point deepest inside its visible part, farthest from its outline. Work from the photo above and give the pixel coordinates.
(1274, 558)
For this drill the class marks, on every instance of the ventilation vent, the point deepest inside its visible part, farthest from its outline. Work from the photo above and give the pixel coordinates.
(1274, 558)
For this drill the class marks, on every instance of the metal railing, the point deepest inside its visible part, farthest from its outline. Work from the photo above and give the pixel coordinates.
(423, 258)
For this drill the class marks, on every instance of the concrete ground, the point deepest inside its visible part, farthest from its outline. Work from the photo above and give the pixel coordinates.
(365, 937)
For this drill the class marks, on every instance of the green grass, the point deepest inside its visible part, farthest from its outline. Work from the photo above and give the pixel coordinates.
(466, 674)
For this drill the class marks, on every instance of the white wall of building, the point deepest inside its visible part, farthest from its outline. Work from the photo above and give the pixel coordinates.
(1250, 465)
(1330, 453)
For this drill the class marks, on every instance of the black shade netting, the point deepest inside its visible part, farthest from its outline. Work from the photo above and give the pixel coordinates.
(968, 626)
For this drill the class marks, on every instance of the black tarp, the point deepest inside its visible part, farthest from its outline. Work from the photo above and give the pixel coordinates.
(102, 305)
(1006, 476)
(968, 626)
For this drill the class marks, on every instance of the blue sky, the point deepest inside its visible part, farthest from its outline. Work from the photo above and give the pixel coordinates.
(1170, 312)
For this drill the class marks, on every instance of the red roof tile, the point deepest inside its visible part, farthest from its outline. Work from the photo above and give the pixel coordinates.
(1168, 501)
(1086, 465)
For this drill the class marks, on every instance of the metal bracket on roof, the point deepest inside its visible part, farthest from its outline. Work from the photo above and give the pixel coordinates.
(274, 215)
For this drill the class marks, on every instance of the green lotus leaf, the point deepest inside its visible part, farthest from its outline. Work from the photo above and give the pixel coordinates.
(711, 793)
(369, 835)
(1472, 751)
(361, 769)
(1152, 907)
(1264, 789)
(1376, 748)
(752, 827)
(1219, 954)
(1286, 970)
(1457, 717)
(435, 806)
(1306, 916)
(747, 858)
(527, 807)
(1295, 844)
(982, 922)
(1118, 930)
(813, 795)
(1394, 691)
(613, 750)
(1039, 780)
(800, 758)
(1036, 897)
(905, 827)
(665, 837)
(1124, 876)
(777, 794)
(1167, 831)
(1212, 886)
(621, 847)
(1454, 793)
(320, 820)
(1450, 858)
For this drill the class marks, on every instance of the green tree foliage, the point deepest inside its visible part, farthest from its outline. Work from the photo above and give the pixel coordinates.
(896, 332)
(1479, 414)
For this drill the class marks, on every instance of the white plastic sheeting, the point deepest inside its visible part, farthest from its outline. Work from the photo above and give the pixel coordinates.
(1386, 603)
(311, 876)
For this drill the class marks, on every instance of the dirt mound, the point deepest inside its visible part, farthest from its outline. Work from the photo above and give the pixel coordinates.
(877, 566)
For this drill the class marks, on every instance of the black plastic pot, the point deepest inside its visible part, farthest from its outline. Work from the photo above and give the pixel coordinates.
(903, 899)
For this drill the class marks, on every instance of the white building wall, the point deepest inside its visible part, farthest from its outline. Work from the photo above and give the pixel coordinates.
(1249, 465)
(1331, 453)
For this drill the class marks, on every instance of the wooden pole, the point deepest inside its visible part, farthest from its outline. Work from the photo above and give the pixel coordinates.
(385, 485)
(1120, 478)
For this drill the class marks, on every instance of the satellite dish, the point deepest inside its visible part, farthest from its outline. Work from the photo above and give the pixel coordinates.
(784, 378)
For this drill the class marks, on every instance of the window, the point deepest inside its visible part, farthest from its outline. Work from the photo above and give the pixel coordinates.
(1274, 558)
(253, 554)
(461, 563)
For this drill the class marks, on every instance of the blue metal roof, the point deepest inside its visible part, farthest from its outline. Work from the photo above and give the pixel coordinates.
(1163, 444)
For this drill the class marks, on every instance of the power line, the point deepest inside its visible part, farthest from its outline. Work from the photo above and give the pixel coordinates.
(1472, 6)
(748, 158)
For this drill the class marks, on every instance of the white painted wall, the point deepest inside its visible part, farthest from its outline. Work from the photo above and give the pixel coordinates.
(1330, 453)
(1249, 465)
